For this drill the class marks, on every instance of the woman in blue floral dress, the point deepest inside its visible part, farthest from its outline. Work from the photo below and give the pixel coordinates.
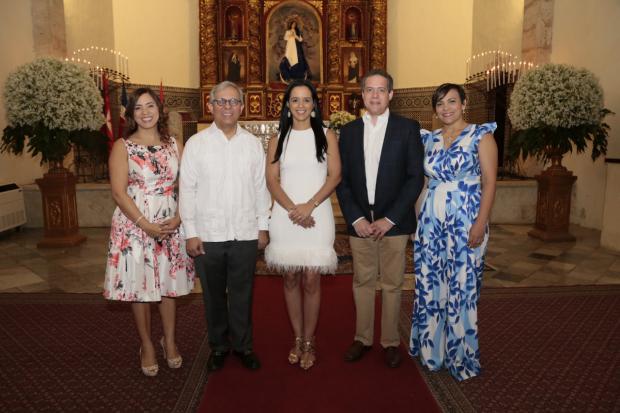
(461, 165)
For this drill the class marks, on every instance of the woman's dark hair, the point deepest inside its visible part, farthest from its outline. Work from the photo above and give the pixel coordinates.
(132, 126)
(443, 90)
(286, 122)
(297, 30)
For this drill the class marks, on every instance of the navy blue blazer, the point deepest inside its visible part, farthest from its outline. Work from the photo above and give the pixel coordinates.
(399, 179)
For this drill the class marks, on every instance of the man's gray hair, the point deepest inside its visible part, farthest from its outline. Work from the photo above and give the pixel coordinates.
(223, 85)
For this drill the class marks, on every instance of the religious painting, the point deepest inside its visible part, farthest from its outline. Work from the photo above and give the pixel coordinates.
(234, 64)
(293, 43)
(352, 65)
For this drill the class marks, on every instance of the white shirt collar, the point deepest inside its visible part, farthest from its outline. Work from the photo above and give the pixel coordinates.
(380, 119)
(221, 133)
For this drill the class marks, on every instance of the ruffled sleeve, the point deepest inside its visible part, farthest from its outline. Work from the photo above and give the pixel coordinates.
(485, 128)
(426, 135)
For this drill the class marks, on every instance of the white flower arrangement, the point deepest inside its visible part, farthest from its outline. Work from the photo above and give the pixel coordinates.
(556, 95)
(555, 108)
(51, 104)
(340, 118)
(59, 94)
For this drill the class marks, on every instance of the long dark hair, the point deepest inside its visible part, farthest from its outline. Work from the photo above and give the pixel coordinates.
(286, 122)
(132, 126)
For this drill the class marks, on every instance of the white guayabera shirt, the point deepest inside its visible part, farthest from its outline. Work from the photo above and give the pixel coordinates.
(223, 193)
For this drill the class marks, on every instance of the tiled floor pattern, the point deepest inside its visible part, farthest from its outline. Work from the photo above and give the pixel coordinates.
(519, 261)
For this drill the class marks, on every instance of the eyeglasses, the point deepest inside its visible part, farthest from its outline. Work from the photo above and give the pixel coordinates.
(222, 102)
(378, 90)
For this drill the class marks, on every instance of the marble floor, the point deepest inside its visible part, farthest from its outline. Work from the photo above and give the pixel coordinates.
(515, 260)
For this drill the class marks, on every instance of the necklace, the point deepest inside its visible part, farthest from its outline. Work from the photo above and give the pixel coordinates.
(449, 138)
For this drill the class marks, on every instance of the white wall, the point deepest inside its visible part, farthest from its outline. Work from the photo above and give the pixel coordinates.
(497, 24)
(16, 48)
(588, 36)
(160, 37)
(428, 41)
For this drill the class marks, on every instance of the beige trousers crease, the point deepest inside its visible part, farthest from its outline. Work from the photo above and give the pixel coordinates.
(385, 257)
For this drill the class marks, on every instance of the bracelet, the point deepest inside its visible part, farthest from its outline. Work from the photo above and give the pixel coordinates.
(315, 202)
(138, 220)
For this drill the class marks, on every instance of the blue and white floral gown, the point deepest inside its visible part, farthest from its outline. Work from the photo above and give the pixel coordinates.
(444, 330)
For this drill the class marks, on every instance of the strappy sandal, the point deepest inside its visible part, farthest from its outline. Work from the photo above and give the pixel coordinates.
(308, 357)
(173, 363)
(295, 354)
(150, 371)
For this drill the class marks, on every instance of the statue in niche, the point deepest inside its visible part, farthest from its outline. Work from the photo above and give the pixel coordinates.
(353, 27)
(234, 68)
(233, 26)
(353, 68)
(293, 64)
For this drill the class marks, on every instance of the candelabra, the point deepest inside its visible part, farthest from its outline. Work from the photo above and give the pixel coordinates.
(102, 60)
(496, 67)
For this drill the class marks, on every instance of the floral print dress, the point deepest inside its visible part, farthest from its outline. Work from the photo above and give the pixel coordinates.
(139, 268)
(444, 330)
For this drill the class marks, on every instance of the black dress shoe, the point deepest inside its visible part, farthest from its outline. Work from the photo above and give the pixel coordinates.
(356, 351)
(249, 359)
(216, 360)
(392, 357)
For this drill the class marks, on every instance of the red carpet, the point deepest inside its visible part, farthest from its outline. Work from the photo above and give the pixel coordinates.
(330, 386)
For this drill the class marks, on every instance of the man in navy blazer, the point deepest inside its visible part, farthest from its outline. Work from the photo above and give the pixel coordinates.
(382, 176)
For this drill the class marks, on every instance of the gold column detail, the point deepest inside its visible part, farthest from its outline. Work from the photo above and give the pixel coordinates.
(378, 39)
(254, 29)
(333, 42)
(208, 42)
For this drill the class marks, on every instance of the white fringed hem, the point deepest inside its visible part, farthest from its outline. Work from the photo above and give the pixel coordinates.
(286, 260)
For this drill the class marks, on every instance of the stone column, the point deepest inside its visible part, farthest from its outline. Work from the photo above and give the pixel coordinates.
(48, 28)
(537, 31)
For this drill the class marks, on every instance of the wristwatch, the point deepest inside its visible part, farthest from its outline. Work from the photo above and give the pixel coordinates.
(315, 203)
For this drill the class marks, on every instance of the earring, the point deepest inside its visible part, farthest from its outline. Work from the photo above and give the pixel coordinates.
(313, 114)
(288, 114)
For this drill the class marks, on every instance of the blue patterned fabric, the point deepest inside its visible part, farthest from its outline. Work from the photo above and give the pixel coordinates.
(444, 331)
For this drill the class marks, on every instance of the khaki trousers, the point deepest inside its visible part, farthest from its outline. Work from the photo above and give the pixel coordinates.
(371, 258)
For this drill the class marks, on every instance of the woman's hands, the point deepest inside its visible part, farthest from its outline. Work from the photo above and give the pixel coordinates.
(301, 214)
(160, 231)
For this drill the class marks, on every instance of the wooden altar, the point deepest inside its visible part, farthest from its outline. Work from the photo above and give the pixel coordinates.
(243, 41)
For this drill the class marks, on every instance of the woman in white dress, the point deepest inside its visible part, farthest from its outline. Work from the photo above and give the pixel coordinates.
(303, 169)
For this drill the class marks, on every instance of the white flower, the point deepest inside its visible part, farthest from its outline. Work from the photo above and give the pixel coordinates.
(556, 95)
(59, 94)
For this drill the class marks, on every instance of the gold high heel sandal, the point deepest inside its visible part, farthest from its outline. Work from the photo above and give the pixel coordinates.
(150, 371)
(174, 363)
(296, 352)
(308, 357)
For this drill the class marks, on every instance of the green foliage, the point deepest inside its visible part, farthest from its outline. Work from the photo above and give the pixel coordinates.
(52, 144)
(540, 142)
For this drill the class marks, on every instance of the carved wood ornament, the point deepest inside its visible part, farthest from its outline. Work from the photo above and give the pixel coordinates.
(241, 26)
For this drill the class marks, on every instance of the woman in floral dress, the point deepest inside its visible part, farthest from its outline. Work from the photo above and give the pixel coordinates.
(460, 161)
(147, 261)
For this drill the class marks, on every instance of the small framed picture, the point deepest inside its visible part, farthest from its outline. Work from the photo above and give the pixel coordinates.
(352, 65)
(234, 64)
